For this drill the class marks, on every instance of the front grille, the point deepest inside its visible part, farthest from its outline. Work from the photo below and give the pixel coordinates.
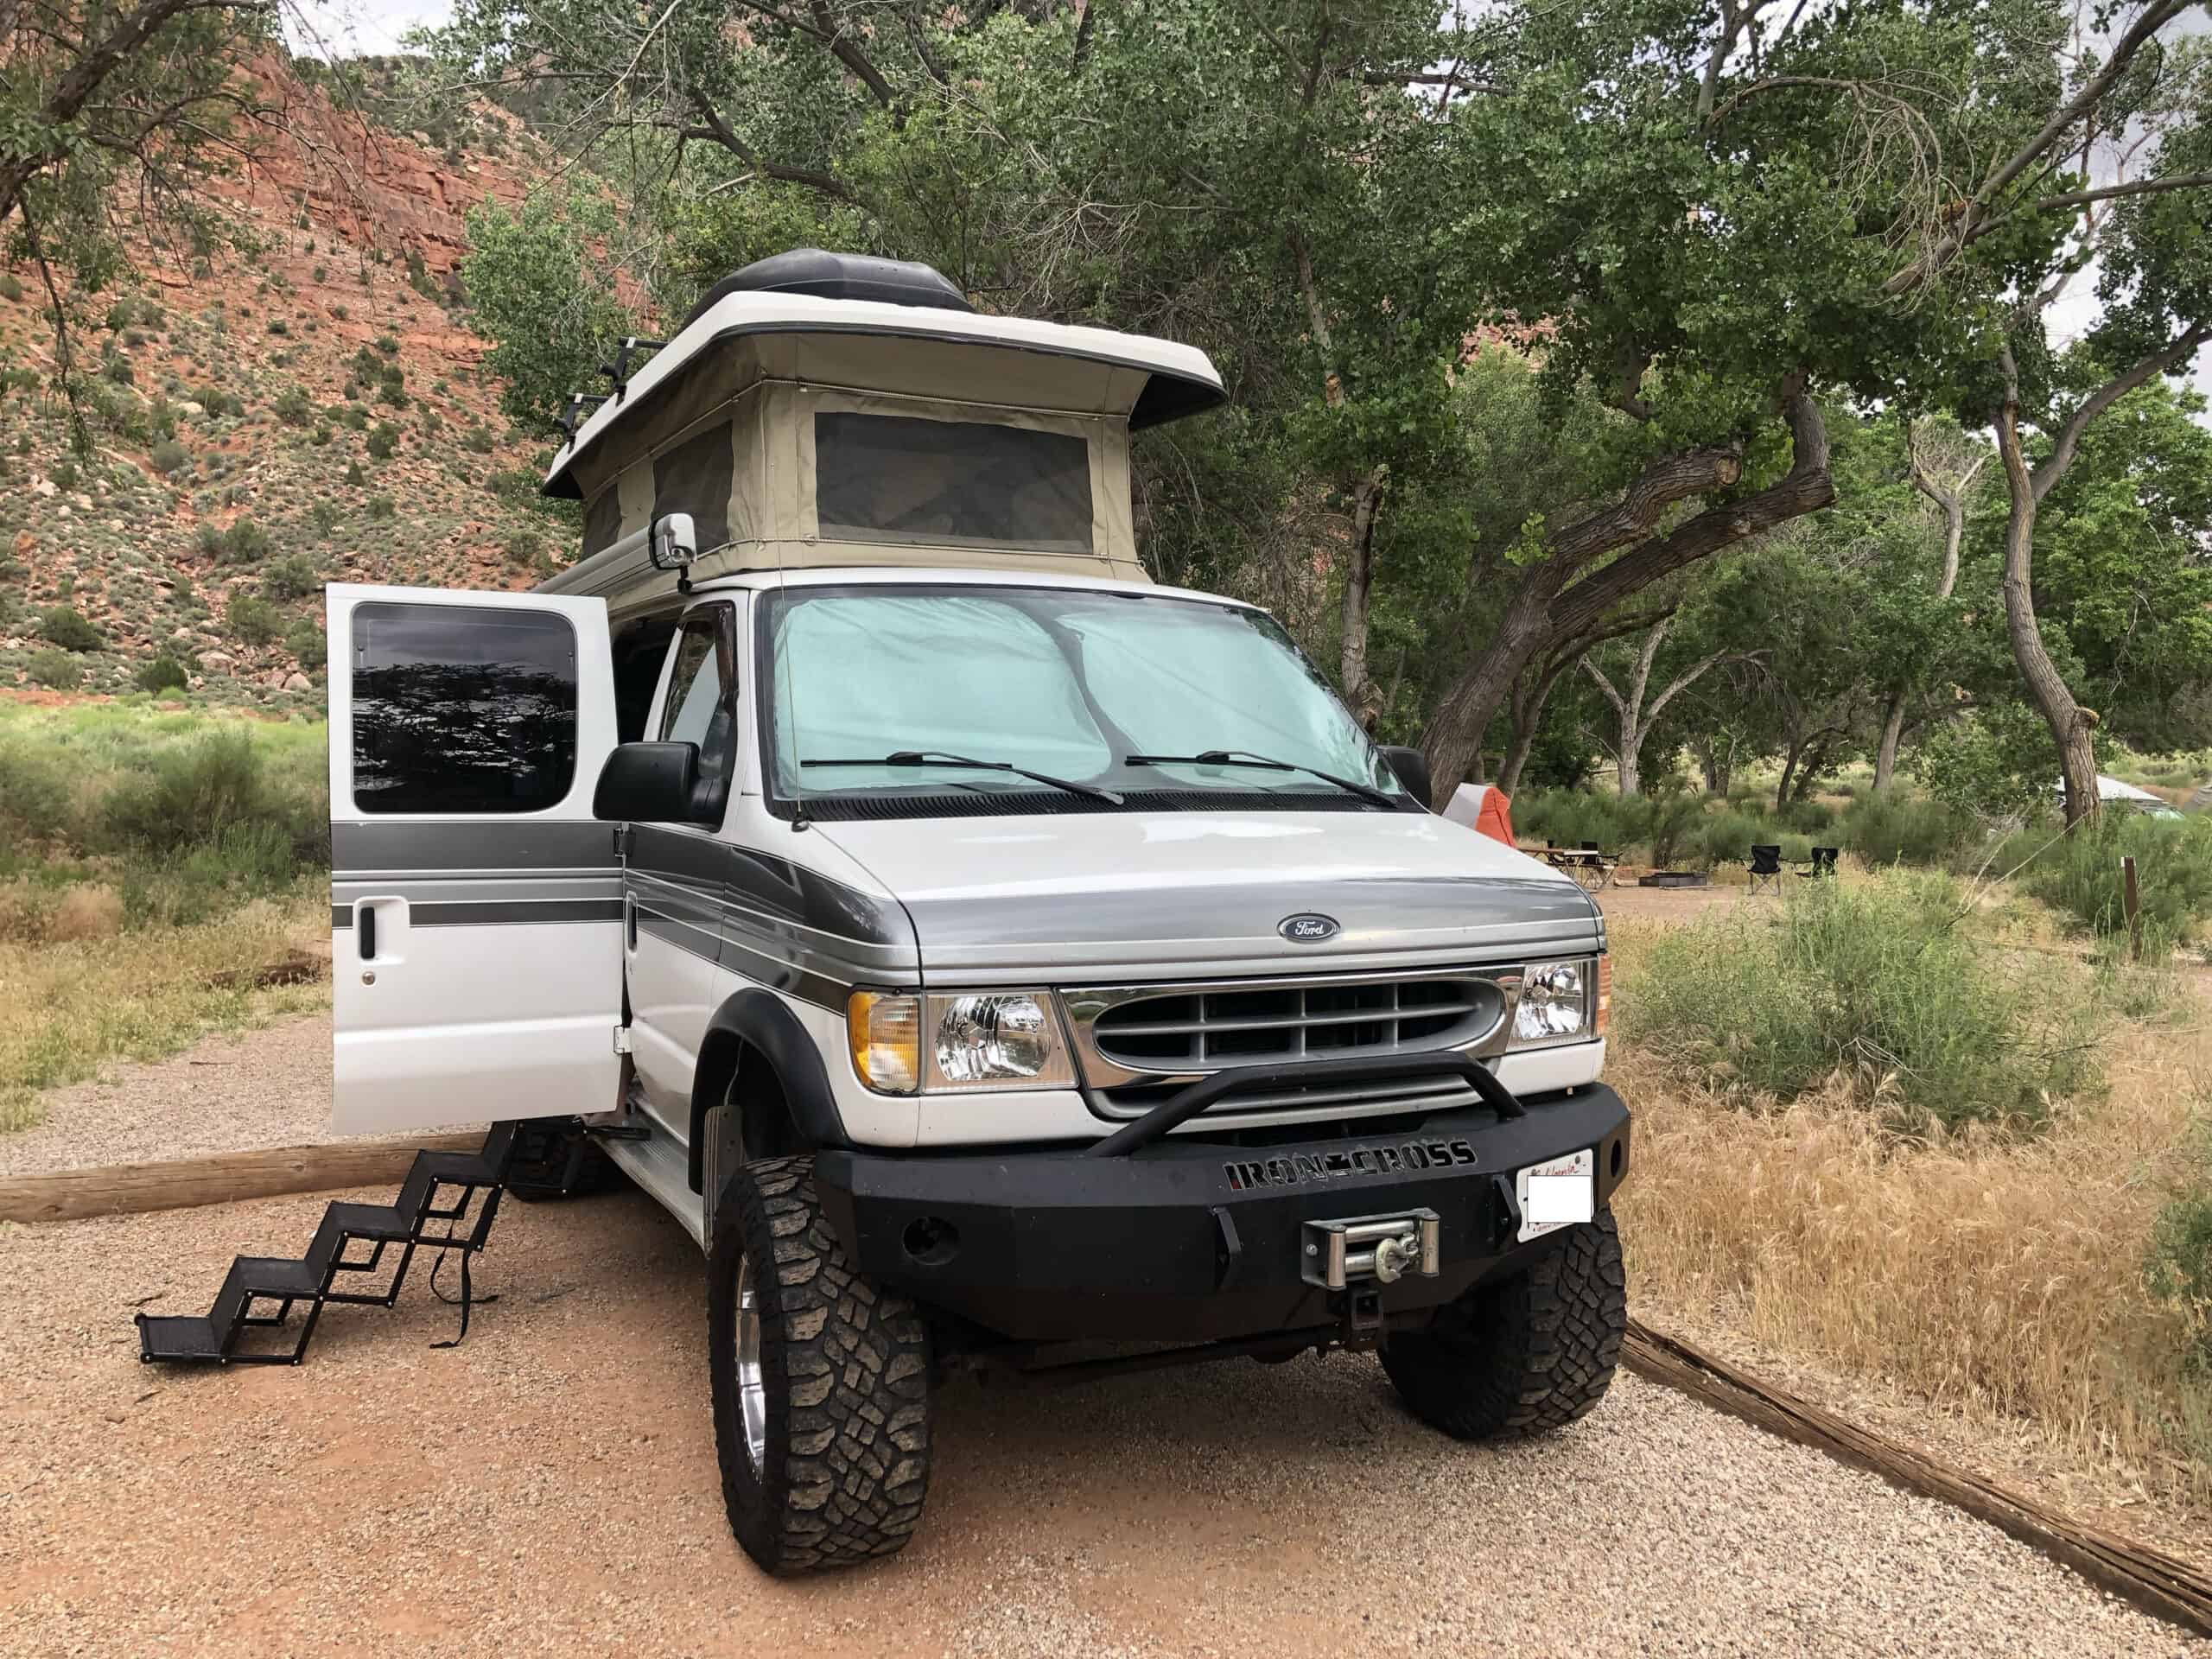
(1181, 1030)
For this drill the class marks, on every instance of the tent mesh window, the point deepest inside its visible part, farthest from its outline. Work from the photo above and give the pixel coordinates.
(890, 477)
(695, 477)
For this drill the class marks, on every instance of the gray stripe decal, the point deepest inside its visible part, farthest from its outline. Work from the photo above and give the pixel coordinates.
(514, 844)
(702, 942)
(555, 910)
(523, 912)
(419, 889)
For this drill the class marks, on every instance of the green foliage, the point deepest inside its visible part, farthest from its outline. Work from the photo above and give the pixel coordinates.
(169, 457)
(293, 576)
(244, 543)
(163, 673)
(1876, 983)
(253, 620)
(1898, 827)
(550, 315)
(308, 645)
(355, 475)
(380, 508)
(56, 670)
(292, 406)
(382, 443)
(11, 287)
(69, 629)
(2079, 875)
(525, 549)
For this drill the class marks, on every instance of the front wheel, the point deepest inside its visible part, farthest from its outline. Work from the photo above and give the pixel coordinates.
(1520, 1356)
(821, 1382)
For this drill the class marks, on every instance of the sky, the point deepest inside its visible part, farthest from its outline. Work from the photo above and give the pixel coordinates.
(361, 28)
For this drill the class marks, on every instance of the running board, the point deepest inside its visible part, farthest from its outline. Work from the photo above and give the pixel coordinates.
(661, 1163)
(438, 1210)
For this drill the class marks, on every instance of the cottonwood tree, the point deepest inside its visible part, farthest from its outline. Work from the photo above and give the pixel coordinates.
(1637, 706)
(2151, 232)
(1943, 463)
(1759, 209)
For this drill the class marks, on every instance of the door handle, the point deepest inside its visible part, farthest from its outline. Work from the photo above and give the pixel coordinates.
(364, 932)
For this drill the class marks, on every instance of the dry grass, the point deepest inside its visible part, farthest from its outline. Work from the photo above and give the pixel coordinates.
(1996, 1275)
(70, 1004)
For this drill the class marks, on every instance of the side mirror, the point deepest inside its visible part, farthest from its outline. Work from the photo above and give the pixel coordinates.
(671, 542)
(650, 783)
(1412, 768)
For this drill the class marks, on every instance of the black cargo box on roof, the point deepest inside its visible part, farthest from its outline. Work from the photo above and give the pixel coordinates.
(837, 276)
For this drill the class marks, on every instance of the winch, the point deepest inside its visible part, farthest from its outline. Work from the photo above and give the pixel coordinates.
(1383, 1249)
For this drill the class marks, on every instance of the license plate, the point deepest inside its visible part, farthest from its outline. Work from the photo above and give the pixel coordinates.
(1558, 1194)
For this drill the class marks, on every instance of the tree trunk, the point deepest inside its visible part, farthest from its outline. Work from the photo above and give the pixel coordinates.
(1359, 688)
(1886, 754)
(1527, 719)
(1545, 609)
(2070, 724)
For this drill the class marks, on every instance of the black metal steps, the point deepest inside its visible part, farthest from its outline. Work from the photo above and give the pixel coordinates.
(447, 1204)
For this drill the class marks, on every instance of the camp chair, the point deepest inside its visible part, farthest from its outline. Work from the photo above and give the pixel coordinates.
(1823, 861)
(1595, 868)
(1765, 869)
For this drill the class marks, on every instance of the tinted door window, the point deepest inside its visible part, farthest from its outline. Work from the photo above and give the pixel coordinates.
(702, 693)
(459, 709)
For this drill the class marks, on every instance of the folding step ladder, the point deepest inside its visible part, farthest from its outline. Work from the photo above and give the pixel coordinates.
(438, 1211)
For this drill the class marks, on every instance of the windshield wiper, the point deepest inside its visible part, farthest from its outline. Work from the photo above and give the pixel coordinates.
(1246, 758)
(938, 758)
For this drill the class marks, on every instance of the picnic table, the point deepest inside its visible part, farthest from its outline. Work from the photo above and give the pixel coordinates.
(1590, 868)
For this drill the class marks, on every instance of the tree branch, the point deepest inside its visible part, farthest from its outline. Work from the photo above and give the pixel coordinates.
(1806, 487)
(2138, 187)
(2165, 360)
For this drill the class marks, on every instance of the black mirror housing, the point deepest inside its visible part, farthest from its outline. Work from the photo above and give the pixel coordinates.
(650, 783)
(1411, 766)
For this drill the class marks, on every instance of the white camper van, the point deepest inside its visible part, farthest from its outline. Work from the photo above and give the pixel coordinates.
(991, 958)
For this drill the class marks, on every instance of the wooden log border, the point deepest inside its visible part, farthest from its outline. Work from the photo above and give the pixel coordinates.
(2150, 1578)
(225, 1178)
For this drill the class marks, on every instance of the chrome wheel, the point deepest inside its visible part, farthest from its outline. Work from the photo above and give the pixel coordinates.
(752, 1386)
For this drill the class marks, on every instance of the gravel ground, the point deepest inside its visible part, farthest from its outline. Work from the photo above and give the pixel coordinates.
(266, 1088)
(550, 1486)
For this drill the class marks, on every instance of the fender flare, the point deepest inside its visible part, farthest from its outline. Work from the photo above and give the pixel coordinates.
(760, 1020)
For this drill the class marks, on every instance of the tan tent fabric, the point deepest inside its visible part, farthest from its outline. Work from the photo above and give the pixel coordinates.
(772, 521)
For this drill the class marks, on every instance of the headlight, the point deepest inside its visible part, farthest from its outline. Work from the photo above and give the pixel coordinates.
(957, 1042)
(1556, 1004)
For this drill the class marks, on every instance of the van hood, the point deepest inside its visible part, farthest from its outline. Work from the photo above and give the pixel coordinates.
(1152, 894)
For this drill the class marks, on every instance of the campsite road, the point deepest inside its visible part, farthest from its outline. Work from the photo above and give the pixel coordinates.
(550, 1487)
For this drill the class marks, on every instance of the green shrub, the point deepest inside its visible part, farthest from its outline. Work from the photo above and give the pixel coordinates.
(355, 475)
(478, 438)
(294, 407)
(526, 548)
(307, 643)
(1727, 837)
(293, 576)
(253, 620)
(379, 508)
(69, 630)
(1875, 982)
(56, 670)
(387, 345)
(10, 287)
(37, 784)
(2079, 874)
(169, 457)
(244, 543)
(163, 674)
(382, 442)
(1893, 828)
(215, 401)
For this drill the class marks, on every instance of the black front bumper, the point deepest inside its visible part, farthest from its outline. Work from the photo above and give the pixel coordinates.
(1191, 1239)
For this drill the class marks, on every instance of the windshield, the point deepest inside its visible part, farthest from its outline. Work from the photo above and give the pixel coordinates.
(1064, 683)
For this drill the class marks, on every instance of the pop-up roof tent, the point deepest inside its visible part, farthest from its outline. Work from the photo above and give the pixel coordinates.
(822, 408)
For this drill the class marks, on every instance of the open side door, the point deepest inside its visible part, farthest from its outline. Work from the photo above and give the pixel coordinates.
(476, 905)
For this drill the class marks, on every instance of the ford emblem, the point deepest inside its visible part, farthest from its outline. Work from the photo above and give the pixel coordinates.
(1309, 928)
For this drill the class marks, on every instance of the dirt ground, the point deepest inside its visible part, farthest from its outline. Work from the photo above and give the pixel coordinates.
(550, 1486)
